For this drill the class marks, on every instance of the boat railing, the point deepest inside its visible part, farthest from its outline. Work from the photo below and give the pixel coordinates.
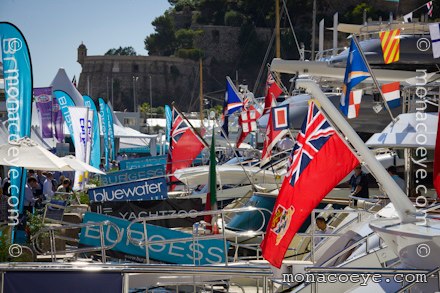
(219, 219)
(311, 234)
(260, 273)
(50, 234)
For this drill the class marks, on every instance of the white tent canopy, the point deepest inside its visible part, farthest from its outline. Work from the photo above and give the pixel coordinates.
(412, 130)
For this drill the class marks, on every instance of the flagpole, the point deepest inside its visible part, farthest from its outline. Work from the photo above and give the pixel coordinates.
(194, 130)
(373, 77)
(420, 7)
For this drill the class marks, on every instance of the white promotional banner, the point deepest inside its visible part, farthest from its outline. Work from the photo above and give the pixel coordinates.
(81, 118)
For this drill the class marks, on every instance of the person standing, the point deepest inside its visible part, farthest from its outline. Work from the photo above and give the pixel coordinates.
(48, 186)
(359, 184)
(29, 199)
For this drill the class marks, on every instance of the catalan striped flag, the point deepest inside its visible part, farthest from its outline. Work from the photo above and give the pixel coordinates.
(390, 41)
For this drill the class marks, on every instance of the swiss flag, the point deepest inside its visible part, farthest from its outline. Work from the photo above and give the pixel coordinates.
(320, 160)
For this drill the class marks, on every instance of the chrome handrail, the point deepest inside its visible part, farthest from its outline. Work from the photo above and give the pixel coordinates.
(52, 238)
(144, 242)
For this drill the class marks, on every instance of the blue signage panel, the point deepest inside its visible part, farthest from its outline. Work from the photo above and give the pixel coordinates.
(142, 162)
(132, 174)
(199, 252)
(149, 189)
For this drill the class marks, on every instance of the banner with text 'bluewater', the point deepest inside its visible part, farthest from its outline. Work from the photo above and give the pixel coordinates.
(132, 174)
(142, 162)
(201, 252)
(147, 189)
(65, 101)
(95, 157)
(17, 75)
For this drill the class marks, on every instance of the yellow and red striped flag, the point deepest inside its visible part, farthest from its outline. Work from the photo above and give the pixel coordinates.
(390, 41)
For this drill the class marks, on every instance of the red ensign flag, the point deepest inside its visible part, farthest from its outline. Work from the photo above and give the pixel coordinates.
(320, 160)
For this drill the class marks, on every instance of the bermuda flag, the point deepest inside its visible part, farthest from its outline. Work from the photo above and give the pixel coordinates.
(436, 175)
(277, 127)
(272, 93)
(434, 31)
(185, 145)
(248, 123)
(430, 8)
(319, 156)
(391, 93)
(354, 104)
(233, 102)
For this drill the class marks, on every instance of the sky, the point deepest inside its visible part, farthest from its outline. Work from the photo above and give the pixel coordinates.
(55, 28)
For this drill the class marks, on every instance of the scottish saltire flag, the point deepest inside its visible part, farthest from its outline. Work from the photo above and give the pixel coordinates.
(95, 155)
(390, 42)
(434, 31)
(277, 127)
(430, 8)
(355, 104)
(391, 93)
(17, 75)
(233, 102)
(319, 156)
(355, 72)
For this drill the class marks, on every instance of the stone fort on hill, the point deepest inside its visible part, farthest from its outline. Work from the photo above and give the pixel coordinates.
(172, 79)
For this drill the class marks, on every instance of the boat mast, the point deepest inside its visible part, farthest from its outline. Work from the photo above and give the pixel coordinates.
(201, 91)
(277, 29)
(313, 30)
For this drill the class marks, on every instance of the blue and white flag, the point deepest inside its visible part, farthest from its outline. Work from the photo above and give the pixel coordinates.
(104, 128)
(111, 130)
(17, 74)
(169, 122)
(65, 101)
(355, 72)
(434, 31)
(233, 102)
(95, 156)
(82, 121)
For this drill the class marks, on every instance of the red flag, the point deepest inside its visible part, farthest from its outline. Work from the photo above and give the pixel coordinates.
(277, 127)
(185, 145)
(273, 91)
(436, 174)
(320, 161)
(248, 123)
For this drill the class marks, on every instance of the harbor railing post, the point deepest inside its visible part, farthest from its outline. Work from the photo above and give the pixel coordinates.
(101, 236)
(147, 253)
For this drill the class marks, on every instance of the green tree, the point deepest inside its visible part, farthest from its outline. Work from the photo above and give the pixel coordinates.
(122, 51)
(162, 42)
(144, 108)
